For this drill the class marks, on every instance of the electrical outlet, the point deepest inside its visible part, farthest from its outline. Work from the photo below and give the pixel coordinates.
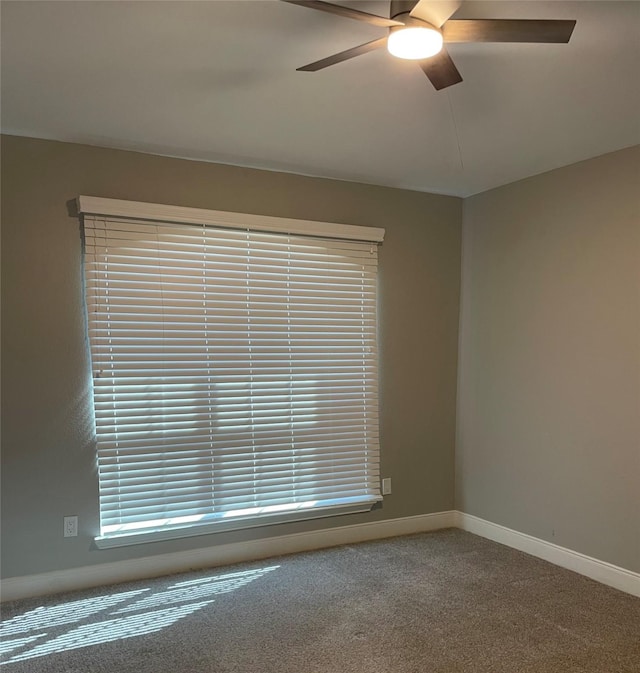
(386, 486)
(70, 526)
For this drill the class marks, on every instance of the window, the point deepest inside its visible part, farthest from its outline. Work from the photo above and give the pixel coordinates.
(234, 368)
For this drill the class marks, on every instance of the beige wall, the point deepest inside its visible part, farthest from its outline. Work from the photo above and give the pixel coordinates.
(549, 383)
(549, 388)
(47, 449)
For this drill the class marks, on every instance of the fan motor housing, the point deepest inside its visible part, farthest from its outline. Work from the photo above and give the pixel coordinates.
(410, 21)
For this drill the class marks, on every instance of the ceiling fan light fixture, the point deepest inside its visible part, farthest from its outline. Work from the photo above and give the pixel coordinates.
(414, 42)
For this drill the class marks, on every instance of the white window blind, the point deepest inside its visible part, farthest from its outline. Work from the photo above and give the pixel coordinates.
(234, 376)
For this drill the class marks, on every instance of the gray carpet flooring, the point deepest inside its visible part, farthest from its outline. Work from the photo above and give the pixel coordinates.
(443, 602)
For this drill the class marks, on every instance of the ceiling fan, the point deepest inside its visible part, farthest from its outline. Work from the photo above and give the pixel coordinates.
(418, 30)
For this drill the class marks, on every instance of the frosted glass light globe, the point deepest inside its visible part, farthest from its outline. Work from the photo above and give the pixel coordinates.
(415, 42)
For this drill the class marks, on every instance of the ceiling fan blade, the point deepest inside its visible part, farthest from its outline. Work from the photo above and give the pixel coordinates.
(344, 55)
(507, 30)
(441, 70)
(435, 12)
(345, 12)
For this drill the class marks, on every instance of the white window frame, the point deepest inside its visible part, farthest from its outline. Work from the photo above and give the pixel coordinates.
(156, 213)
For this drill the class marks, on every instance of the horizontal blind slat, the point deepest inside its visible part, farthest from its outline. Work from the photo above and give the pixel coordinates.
(233, 370)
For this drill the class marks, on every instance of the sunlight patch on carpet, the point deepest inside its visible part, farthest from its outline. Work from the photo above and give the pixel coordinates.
(131, 620)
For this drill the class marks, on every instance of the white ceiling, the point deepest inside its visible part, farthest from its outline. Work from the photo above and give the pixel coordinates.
(217, 81)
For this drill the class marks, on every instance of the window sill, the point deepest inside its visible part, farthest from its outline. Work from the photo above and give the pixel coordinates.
(159, 535)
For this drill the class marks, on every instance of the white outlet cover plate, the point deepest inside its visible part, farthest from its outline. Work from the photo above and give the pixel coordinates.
(70, 526)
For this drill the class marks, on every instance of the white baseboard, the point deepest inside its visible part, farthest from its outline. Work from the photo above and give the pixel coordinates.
(603, 572)
(154, 566)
